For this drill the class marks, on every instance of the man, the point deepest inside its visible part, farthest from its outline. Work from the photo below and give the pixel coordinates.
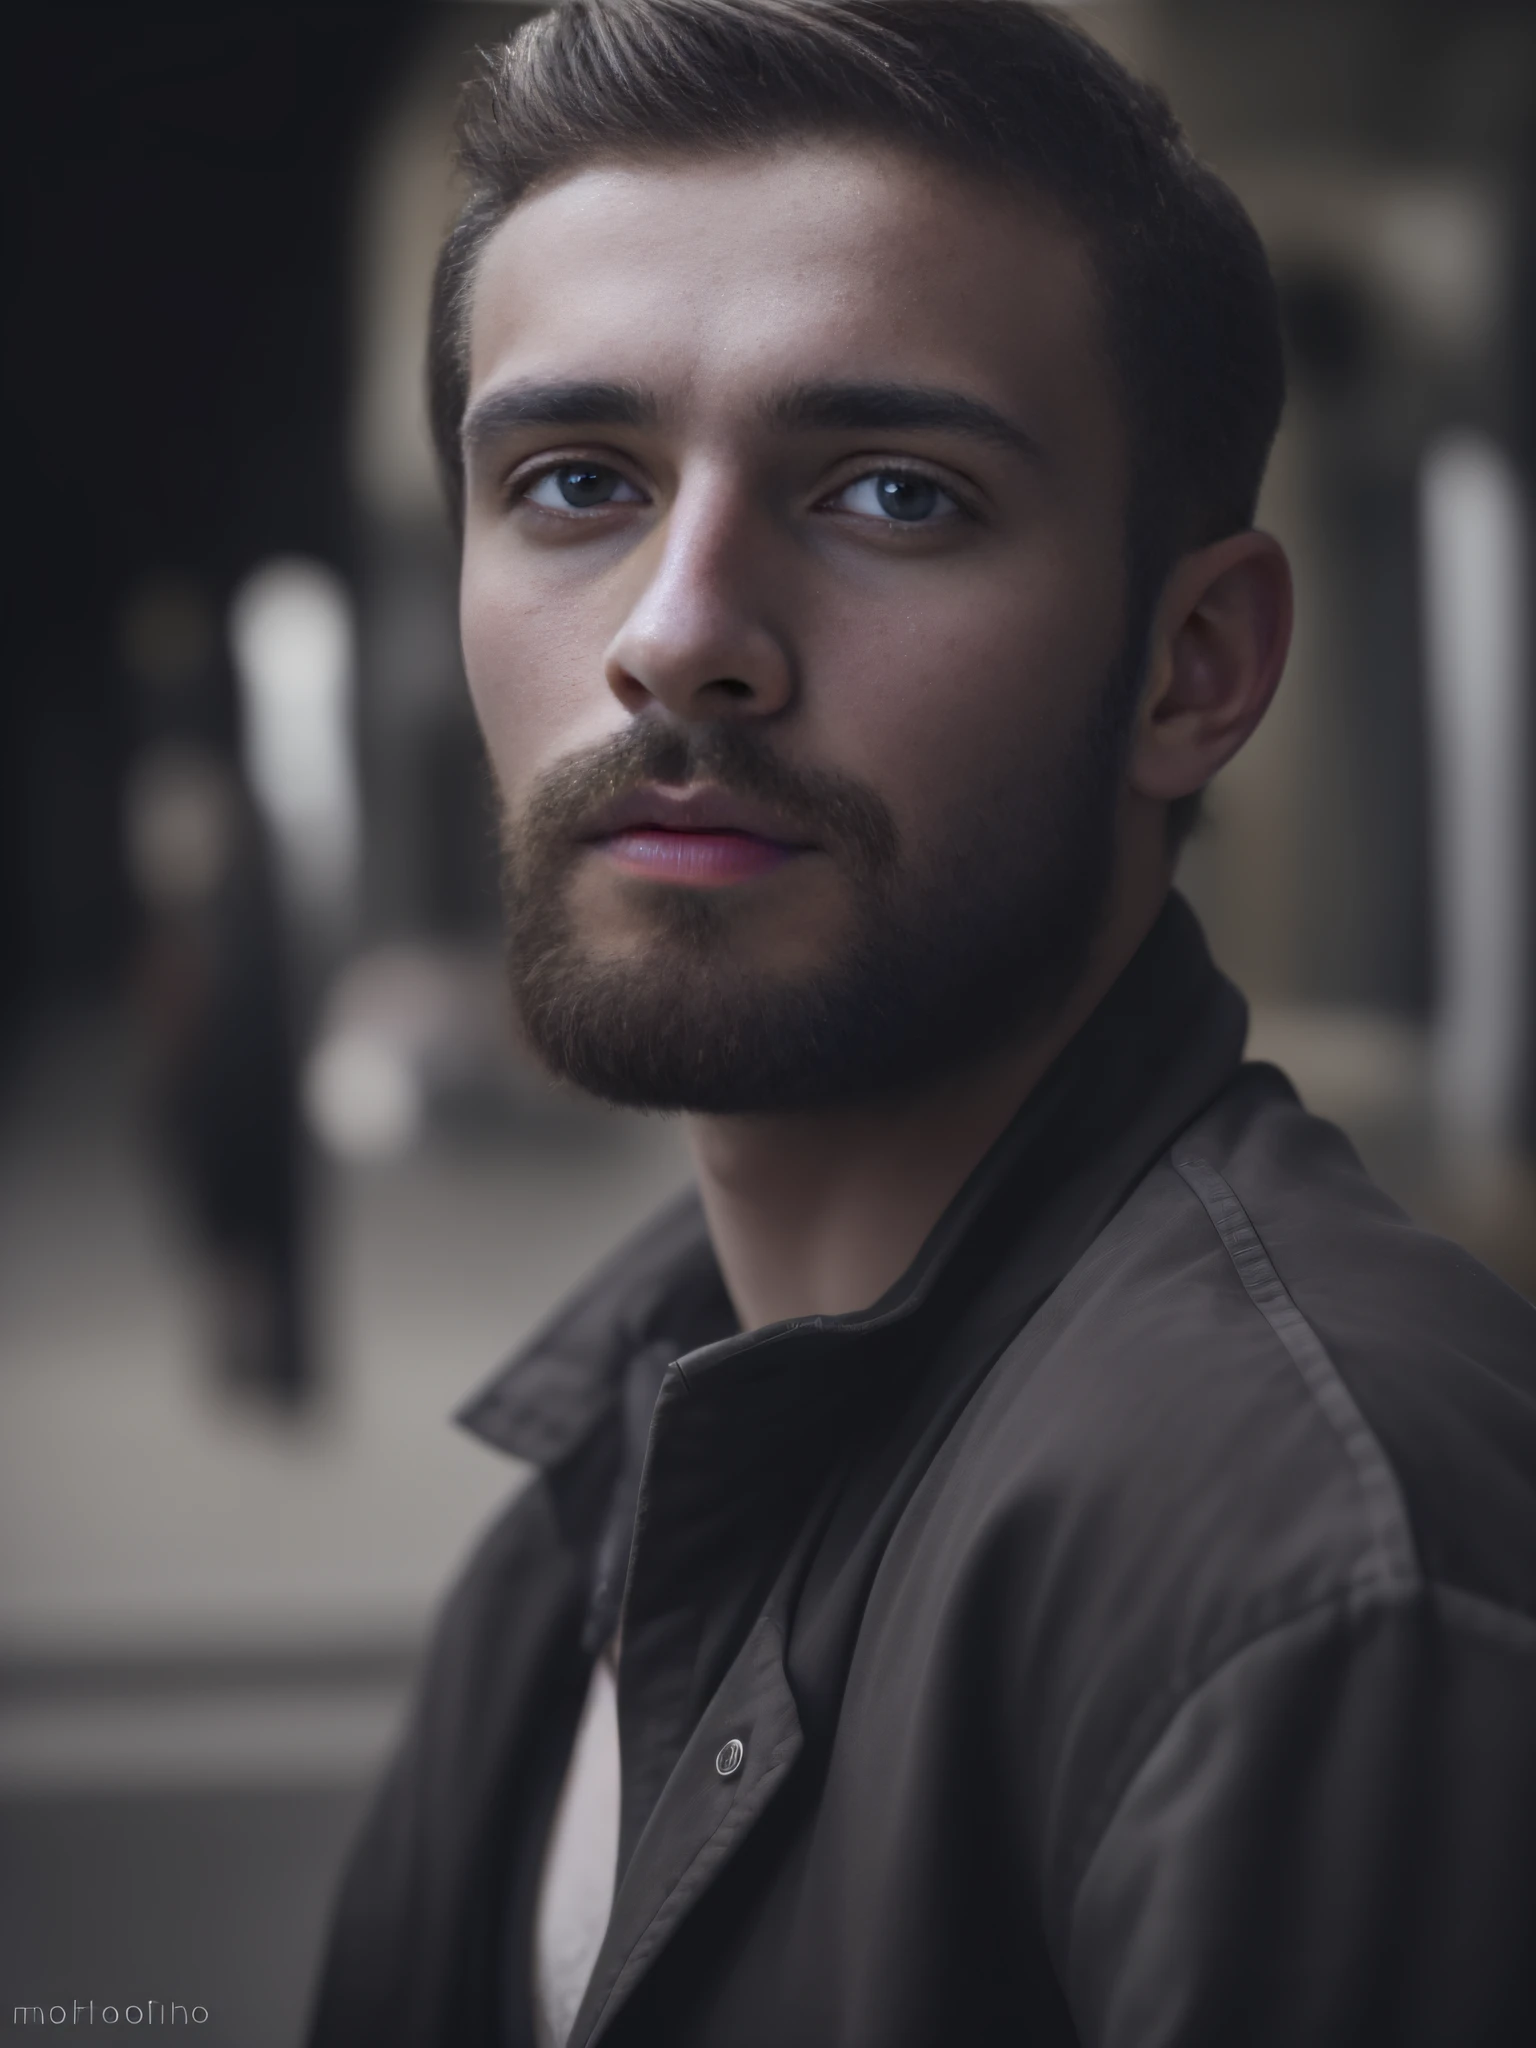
(1066, 1542)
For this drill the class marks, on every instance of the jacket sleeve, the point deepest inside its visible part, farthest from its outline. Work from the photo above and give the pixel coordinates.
(1332, 1841)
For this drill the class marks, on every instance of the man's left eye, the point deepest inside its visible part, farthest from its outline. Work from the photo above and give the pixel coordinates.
(894, 494)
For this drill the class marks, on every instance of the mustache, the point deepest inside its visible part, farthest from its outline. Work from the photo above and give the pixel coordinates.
(837, 811)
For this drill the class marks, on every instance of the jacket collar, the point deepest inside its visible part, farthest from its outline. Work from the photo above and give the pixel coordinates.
(661, 1286)
(1171, 1028)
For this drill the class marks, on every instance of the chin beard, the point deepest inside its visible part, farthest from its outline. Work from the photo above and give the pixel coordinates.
(943, 959)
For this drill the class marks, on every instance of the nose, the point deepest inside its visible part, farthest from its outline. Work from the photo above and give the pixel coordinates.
(700, 640)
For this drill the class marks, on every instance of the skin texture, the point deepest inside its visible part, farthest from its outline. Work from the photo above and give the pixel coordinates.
(743, 569)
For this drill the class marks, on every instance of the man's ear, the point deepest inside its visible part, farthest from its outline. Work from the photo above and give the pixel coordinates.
(1218, 645)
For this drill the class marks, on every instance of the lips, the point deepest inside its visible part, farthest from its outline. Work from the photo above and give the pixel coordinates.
(696, 859)
(696, 838)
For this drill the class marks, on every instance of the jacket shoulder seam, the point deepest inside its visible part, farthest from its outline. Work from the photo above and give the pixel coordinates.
(1393, 1560)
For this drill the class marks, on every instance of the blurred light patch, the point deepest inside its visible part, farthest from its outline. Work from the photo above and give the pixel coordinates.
(1361, 1067)
(180, 823)
(292, 635)
(406, 1030)
(1442, 245)
(1475, 540)
(362, 1097)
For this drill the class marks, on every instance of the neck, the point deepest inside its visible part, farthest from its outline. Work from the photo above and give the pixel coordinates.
(818, 1214)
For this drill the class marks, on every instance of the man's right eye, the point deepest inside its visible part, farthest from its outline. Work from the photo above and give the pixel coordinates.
(581, 487)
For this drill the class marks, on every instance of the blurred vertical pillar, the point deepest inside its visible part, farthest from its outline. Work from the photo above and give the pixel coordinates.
(1522, 358)
(292, 633)
(1477, 646)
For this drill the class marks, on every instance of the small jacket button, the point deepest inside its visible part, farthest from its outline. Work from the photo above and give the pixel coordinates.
(728, 1762)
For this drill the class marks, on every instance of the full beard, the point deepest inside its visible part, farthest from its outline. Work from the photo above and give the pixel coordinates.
(943, 960)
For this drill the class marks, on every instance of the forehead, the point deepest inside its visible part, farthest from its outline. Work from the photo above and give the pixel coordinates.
(713, 279)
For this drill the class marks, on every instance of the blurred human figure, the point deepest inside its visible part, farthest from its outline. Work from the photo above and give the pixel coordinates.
(214, 983)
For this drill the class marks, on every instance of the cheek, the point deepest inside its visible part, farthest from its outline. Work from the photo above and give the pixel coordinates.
(960, 703)
(529, 670)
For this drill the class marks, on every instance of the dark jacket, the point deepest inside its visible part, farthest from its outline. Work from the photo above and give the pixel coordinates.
(1130, 1621)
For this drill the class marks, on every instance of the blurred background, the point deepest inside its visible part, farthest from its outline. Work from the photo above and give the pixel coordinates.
(275, 1190)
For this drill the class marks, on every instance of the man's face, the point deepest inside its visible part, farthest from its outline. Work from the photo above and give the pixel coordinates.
(793, 595)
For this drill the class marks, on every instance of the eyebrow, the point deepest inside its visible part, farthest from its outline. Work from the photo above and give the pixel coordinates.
(827, 407)
(836, 407)
(572, 402)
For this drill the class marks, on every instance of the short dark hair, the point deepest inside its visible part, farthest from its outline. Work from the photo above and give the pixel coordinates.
(1003, 88)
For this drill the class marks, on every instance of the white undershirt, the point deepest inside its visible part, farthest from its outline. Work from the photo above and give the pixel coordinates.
(576, 1881)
